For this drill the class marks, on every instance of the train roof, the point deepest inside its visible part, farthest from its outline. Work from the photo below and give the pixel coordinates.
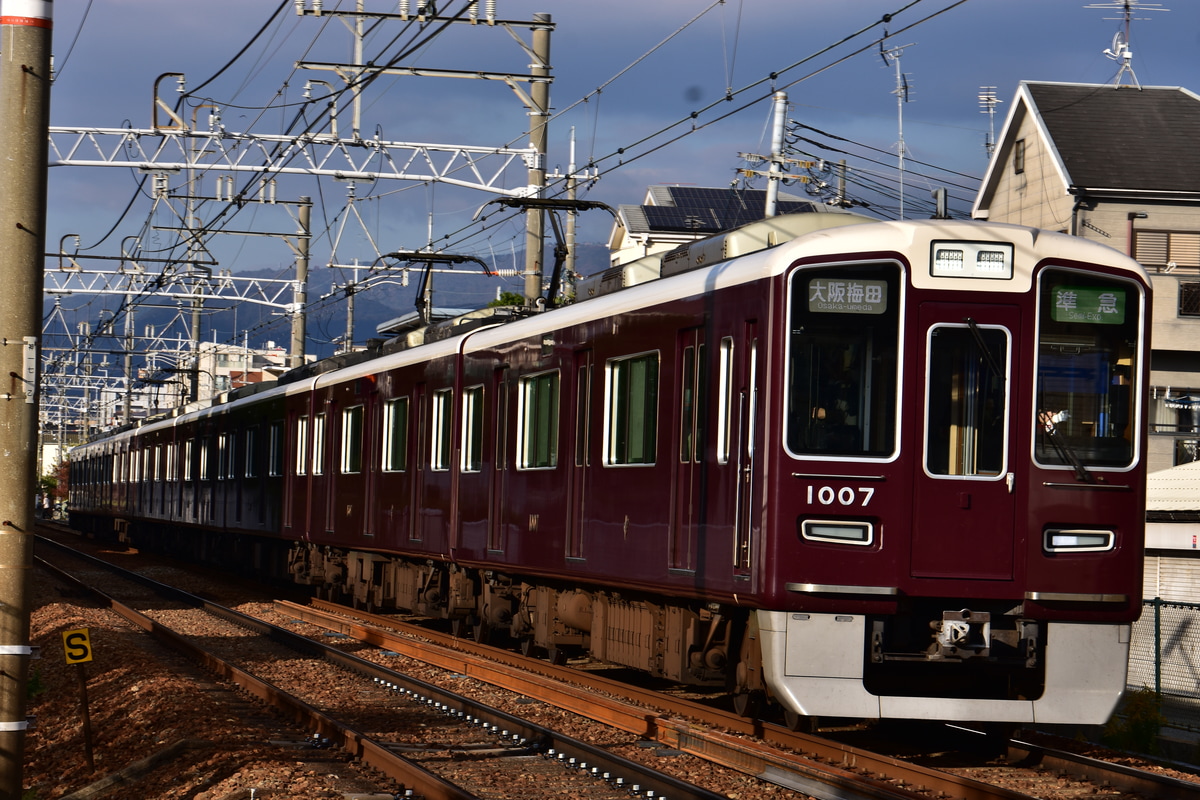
(755, 251)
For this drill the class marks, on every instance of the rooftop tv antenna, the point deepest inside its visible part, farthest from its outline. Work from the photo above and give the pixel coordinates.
(890, 57)
(1120, 50)
(988, 103)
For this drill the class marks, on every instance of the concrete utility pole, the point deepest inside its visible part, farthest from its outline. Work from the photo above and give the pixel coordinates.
(300, 298)
(539, 114)
(25, 28)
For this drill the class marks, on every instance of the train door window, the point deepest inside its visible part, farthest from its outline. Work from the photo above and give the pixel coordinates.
(251, 451)
(967, 400)
(632, 410)
(693, 408)
(275, 465)
(159, 469)
(538, 419)
(1087, 369)
(395, 435)
(204, 459)
(443, 419)
(188, 449)
(843, 360)
(352, 440)
(472, 429)
(318, 434)
(302, 445)
(725, 400)
(224, 456)
(171, 467)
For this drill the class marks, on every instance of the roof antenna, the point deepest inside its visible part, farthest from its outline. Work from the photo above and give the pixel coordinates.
(1120, 50)
(891, 57)
(987, 104)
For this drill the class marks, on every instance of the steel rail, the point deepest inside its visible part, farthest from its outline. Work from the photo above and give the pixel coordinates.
(824, 769)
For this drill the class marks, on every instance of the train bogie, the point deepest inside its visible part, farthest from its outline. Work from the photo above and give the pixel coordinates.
(889, 469)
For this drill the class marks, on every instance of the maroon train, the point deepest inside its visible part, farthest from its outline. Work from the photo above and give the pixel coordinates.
(856, 468)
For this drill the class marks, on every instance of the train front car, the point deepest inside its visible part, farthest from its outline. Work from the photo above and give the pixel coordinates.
(954, 475)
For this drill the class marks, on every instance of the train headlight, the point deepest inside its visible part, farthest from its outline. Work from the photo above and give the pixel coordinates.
(1059, 540)
(838, 531)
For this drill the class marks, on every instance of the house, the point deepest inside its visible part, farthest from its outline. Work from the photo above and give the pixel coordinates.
(1119, 165)
(675, 215)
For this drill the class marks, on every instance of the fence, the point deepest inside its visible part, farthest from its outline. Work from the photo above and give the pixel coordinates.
(1165, 657)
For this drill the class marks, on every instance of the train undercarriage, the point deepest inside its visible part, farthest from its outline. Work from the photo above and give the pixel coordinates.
(682, 643)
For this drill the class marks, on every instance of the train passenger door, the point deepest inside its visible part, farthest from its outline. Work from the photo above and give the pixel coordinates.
(963, 504)
(497, 505)
(690, 404)
(579, 463)
(747, 408)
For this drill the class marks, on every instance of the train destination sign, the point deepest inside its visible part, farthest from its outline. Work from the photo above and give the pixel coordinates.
(847, 296)
(1104, 306)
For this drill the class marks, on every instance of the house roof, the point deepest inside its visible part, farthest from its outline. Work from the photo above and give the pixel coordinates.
(1108, 138)
(694, 210)
(1103, 133)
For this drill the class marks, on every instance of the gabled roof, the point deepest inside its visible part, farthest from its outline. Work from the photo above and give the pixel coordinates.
(1111, 139)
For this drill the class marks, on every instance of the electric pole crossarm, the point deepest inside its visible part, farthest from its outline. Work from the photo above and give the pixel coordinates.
(163, 150)
(260, 291)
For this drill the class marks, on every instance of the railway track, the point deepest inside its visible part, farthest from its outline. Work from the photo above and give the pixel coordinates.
(699, 729)
(666, 725)
(431, 742)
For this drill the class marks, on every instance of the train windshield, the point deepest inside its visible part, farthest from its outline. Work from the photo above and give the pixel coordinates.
(842, 360)
(1088, 329)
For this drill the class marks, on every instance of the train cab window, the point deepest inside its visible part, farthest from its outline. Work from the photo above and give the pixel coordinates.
(1087, 367)
(443, 419)
(632, 410)
(395, 435)
(538, 419)
(352, 440)
(841, 390)
(318, 435)
(472, 429)
(967, 400)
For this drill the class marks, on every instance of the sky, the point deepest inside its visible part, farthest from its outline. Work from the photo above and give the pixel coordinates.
(640, 86)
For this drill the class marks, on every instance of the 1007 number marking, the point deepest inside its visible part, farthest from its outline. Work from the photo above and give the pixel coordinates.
(845, 496)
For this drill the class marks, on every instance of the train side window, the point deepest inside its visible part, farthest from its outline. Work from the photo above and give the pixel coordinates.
(302, 445)
(538, 420)
(318, 434)
(472, 429)
(352, 440)
(967, 400)
(443, 419)
(395, 435)
(631, 420)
